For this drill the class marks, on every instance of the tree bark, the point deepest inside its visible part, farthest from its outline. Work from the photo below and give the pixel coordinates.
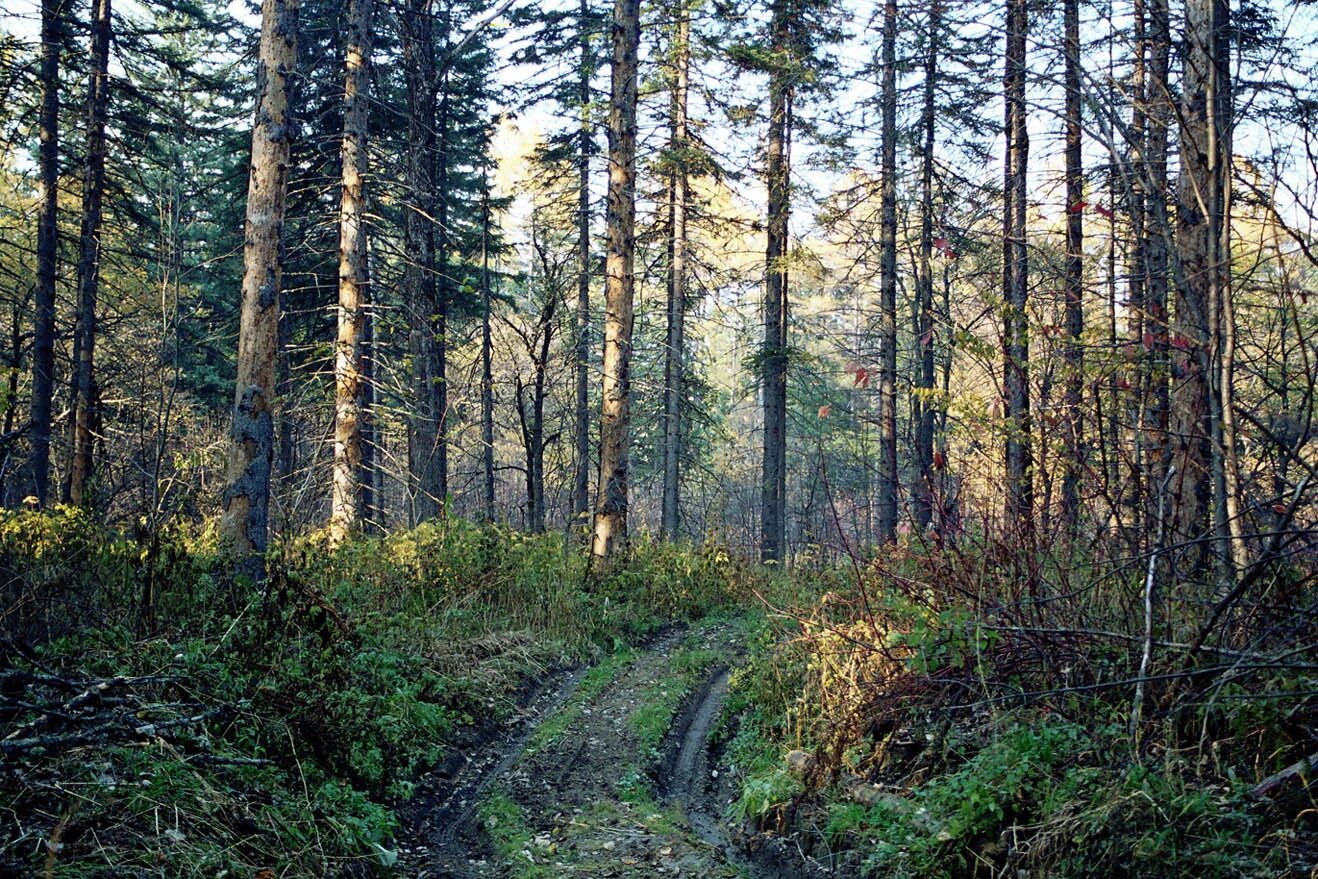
(1158, 234)
(419, 241)
(581, 436)
(674, 359)
(1016, 331)
(773, 356)
(1201, 282)
(244, 525)
(610, 531)
(487, 366)
(1136, 488)
(440, 230)
(1074, 455)
(89, 258)
(925, 408)
(43, 327)
(888, 284)
(370, 471)
(346, 503)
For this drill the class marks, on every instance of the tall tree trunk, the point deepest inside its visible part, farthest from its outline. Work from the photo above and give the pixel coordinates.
(487, 366)
(773, 481)
(1073, 457)
(89, 258)
(14, 362)
(1229, 522)
(440, 228)
(419, 241)
(370, 472)
(674, 359)
(1016, 331)
(610, 532)
(888, 284)
(538, 421)
(925, 408)
(43, 328)
(1158, 234)
(346, 505)
(1201, 283)
(581, 480)
(244, 525)
(1135, 494)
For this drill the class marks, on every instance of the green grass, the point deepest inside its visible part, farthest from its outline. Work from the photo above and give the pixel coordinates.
(593, 682)
(506, 825)
(661, 701)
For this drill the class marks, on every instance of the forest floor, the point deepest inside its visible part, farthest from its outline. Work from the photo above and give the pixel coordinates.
(615, 771)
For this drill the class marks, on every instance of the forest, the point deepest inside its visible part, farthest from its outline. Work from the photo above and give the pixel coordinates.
(808, 438)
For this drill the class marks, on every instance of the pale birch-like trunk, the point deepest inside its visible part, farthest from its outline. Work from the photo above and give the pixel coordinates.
(244, 525)
(347, 501)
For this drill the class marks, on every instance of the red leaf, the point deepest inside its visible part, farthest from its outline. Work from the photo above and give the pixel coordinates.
(1279, 509)
(862, 377)
(1103, 212)
(1179, 341)
(1079, 207)
(944, 248)
(825, 409)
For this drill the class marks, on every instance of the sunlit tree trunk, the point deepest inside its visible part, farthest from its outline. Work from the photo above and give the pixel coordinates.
(888, 283)
(89, 258)
(610, 531)
(674, 357)
(244, 525)
(1016, 333)
(346, 503)
(43, 327)
(773, 475)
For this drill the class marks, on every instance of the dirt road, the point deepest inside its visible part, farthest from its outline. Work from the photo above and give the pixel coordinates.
(606, 773)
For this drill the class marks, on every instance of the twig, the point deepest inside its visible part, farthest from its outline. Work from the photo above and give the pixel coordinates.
(1150, 583)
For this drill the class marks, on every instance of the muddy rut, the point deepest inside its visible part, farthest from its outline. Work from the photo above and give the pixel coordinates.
(573, 786)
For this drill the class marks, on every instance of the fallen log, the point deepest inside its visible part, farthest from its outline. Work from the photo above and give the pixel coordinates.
(1293, 781)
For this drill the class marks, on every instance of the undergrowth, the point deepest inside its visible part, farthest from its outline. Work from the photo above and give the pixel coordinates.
(280, 736)
(931, 716)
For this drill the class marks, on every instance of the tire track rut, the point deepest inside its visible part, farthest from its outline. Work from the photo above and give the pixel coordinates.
(589, 798)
